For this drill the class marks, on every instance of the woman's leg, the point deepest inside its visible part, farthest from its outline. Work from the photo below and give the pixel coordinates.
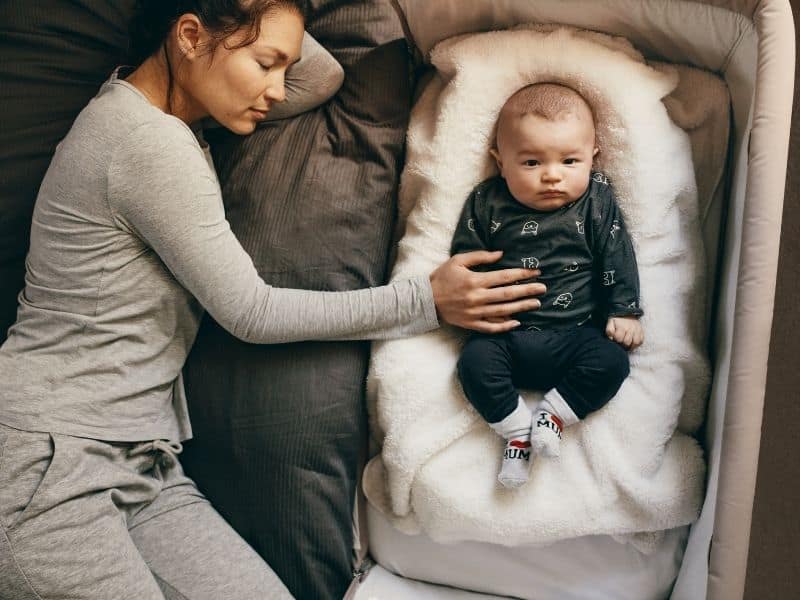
(193, 553)
(61, 533)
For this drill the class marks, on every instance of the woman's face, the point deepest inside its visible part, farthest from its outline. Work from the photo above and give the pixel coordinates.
(237, 86)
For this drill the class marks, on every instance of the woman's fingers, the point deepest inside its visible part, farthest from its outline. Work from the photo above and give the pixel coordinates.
(510, 293)
(477, 257)
(505, 277)
(506, 309)
(466, 298)
(493, 325)
(611, 329)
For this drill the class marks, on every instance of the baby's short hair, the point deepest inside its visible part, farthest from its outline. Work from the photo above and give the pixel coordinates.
(547, 100)
(550, 101)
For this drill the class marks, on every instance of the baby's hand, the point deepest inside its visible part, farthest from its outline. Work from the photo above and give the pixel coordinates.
(626, 331)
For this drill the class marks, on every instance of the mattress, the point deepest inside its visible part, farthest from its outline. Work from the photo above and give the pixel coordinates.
(564, 570)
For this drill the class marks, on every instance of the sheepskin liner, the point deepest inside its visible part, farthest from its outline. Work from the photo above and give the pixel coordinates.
(632, 467)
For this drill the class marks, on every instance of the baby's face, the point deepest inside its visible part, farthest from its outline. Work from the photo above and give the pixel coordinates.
(546, 164)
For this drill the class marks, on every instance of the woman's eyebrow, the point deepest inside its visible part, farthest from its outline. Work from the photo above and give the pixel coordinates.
(282, 55)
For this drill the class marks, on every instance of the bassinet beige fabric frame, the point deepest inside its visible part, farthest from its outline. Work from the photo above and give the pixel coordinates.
(750, 44)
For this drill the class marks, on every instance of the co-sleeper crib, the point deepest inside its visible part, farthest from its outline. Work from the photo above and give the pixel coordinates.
(750, 45)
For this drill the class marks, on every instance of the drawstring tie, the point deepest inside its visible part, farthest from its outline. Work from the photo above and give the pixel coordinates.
(169, 451)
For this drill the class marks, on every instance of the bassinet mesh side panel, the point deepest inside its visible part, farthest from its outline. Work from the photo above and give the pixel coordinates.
(280, 430)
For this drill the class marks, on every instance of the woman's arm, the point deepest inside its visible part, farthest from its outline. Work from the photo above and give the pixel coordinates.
(162, 190)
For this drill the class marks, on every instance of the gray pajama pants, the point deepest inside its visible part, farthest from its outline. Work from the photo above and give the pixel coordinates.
(84, 519)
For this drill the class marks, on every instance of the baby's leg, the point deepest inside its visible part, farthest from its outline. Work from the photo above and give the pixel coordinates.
(597, 367)
(485, 373)
(590, 369)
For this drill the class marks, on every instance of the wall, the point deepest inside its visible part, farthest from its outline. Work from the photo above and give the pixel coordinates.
(773, 569)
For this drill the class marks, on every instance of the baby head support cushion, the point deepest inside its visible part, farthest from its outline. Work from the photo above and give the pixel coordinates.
(631, 467)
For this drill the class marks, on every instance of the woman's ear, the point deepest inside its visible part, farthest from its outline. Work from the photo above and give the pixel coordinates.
(190, 33)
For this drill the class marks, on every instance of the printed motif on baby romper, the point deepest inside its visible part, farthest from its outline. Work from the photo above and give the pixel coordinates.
(615, 227)
(471, 224)
(563, 300)
(530, 228)
(600, 178)
(495, 226)
(530, 262)
(581, 229)
(572, 267)
(608, 277)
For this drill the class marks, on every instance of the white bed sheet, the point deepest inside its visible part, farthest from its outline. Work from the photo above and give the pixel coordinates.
(596, 567)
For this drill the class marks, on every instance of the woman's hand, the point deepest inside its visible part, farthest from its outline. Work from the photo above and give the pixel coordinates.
(482, 301)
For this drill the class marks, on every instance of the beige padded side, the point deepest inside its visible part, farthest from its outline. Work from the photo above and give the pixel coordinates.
(754, 299)
(746, 7)
(678, 31)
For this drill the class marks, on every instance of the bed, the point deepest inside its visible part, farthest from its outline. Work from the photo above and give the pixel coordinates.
(238, 393)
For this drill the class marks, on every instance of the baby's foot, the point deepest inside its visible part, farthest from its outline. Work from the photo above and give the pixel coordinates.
(546, 434)
(516, 461)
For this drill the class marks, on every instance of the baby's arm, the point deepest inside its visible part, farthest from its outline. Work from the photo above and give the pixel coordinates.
(619, 276)
(469, 234)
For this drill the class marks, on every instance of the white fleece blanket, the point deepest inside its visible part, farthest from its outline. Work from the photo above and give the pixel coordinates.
(630, 468)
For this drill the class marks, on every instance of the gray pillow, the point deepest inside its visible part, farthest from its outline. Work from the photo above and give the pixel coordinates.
(280, 431)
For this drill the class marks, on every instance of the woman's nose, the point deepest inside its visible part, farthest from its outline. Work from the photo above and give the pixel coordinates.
(276, 89)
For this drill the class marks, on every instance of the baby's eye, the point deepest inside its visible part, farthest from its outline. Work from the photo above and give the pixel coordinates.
(570, 161)
(531, 162)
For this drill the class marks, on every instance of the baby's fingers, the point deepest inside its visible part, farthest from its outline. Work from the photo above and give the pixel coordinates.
(638, 337)
(627, 339)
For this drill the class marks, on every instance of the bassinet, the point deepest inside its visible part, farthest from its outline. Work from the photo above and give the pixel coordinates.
(750, 45)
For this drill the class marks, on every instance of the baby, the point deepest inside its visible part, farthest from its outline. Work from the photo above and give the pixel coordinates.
(548, 210)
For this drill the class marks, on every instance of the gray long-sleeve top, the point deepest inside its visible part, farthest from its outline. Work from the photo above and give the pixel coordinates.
(129, 243)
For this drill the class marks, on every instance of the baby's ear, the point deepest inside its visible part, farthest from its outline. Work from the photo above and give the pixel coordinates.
(595, 152)
(496, 155)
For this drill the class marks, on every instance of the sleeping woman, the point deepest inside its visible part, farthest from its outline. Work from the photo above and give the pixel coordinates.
(129, 245)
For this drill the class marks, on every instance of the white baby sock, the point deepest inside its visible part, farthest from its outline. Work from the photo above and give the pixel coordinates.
(549, 419)
(516, 430)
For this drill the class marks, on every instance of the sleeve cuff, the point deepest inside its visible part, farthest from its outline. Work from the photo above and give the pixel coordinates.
(428, 305)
